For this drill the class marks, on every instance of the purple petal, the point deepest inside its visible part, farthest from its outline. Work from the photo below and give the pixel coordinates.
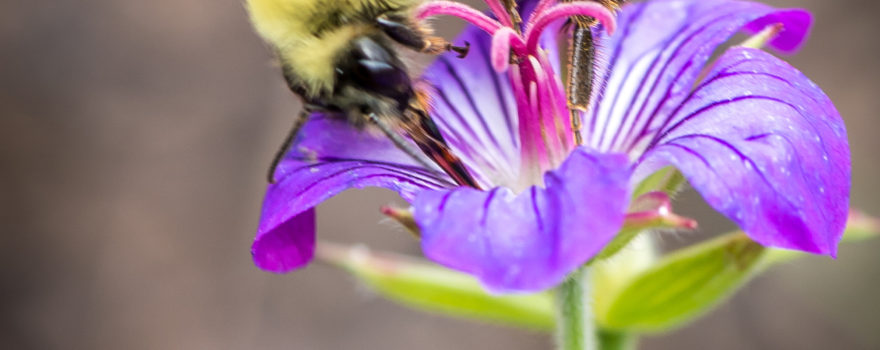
(656, 57)
(329, 157)
(475, 110)
(532, 240)
(797, 26)
(764, 146)
(290, 246)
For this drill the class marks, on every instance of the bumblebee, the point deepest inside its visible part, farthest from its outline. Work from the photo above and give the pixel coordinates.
(340, 57)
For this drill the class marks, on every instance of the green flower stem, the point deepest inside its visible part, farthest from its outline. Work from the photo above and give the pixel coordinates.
(575, 326)
(614, 340)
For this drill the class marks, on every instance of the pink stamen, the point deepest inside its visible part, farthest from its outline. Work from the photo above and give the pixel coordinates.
(534, 156)
(533, 101)
(500, 12)
(519, 90)
(540, 8)
(590, 9)
(547, 114)
(558, 102)
(467, 13)
(539, 139)
(500, 53)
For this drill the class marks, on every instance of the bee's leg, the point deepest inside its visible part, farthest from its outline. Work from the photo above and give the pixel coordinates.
(581, 62)
(580, 75)
(297, 125)
(400, 142)
(417, 37)
(510, 6)
(425, 133)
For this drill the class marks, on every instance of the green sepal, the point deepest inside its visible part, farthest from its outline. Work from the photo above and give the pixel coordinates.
(612, 340)
(685, 284)
(668, 180)
(429, 287)
(682, 285)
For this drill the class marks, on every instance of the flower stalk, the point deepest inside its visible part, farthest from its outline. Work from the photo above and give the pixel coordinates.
(575, 325)
(613, 340)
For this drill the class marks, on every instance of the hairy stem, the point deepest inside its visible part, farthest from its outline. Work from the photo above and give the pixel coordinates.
(613, 340)
(575, 328)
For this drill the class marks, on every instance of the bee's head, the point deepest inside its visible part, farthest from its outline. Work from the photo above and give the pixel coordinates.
(371, 65)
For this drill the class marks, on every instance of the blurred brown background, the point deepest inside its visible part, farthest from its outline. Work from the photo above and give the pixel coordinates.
(134, 137)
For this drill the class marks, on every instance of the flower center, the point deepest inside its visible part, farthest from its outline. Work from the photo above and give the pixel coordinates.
(545, 132)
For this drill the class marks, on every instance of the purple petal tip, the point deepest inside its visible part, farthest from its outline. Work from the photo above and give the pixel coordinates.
(288, 246)
(796, 28)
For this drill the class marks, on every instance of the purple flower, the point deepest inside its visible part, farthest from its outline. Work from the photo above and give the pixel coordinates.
(762, 143)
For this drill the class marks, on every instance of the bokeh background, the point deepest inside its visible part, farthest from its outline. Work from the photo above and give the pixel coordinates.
(134, 138)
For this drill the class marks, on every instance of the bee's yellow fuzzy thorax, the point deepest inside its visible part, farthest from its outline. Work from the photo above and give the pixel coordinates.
(291, 27)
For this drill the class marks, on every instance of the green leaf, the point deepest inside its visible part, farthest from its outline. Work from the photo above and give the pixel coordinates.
(682, 285)
(429, 287)
(685, 284)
